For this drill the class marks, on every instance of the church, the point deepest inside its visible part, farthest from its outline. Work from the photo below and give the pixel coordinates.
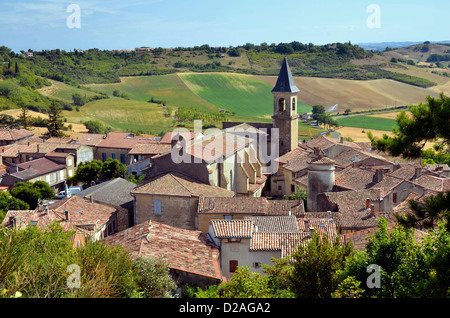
(240, 157)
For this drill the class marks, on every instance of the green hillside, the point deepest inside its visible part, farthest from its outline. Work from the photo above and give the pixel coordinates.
(367, 122)
(169, 89)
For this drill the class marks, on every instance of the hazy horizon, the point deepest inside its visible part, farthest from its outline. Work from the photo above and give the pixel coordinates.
(68, 24)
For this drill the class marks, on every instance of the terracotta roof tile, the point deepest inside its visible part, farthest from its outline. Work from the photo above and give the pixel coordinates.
(14, 134)
(249, 205)
(83, 214)
(184, 250)
(150, 149)
(232, 228)
(178, 184)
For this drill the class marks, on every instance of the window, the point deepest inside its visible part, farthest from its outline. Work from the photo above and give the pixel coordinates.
(281, 105)
(157, 207)
(234, 240)
(293, 104)
(55, 177)
(292, 188)
(47, 179)
(122, 158)
(103, 156)
(394, 197)
(228, 217)
(70, 173)
(113, 155)
(233, 266)
(69, 162)
(61, 175)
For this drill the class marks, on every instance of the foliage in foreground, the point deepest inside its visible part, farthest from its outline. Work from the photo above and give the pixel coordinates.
(394, 264)
(42, 263)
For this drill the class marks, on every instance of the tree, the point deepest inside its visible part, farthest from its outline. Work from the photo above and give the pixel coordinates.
(347, 111)
(435, 208)
(88, 171)
(315, 266)
(95, 127)
(154, 279)
(24, 120)
(428, 122)
(78, 99)
(55, 124)
(8, 202)
(113, 168)
(31, 193)
(317, 110)
(401, 268)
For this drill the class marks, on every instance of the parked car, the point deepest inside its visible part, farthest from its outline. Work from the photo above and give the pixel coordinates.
(71, 191)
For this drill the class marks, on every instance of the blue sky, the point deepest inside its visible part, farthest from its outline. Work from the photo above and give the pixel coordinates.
(117, 24)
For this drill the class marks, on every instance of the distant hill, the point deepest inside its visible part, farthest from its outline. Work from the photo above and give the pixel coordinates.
(381, 46)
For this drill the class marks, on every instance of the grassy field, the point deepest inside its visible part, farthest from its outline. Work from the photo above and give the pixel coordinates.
(368, 122)
(123, 115)
(63, 91)
(168, 88)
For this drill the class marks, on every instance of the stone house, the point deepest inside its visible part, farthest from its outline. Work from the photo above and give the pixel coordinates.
(254, 241)
(219, 159)
(172, 198)
(11, 136)
(88, 219)
(115, 193)
(54, 168)
(234, 208)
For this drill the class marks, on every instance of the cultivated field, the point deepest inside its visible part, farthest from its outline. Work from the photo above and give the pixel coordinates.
(368, 122)
(356, 95)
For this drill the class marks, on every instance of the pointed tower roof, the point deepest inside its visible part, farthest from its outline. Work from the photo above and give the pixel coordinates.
(285, 82)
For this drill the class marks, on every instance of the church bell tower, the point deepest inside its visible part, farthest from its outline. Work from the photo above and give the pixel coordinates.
(285, 116)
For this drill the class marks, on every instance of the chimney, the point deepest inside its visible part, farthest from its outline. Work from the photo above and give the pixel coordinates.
(311, 231)
(91, 198)
(367, 203)
(306, 224)
(67, 215)
(378, 175)
(341, 140)
(46, 209)
(417, 172)
(372, 209)
(316, 151)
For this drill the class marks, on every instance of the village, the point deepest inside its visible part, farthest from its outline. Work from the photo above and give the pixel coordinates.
(223, 209)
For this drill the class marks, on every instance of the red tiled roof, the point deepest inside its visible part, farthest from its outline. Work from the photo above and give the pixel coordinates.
(167, 138)
(249, 205)
(41, 165)
(178, 184)
(121, 141)
(150, 149)
(90, 139)
(323, 142)
(184, 250)
(354, 178)
(14, 134)
(433, 183)
(82, 214)
(232, 228)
